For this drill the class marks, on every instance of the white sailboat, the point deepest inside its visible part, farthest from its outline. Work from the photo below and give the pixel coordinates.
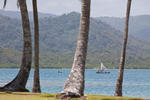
(101, 69)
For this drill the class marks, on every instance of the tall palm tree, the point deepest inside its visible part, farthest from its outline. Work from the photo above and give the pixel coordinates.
(74, 86)
(19, 82)
(36, 83)
(118, 91)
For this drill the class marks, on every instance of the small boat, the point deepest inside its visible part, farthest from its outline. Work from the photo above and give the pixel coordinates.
(101, 69)
(59, 71)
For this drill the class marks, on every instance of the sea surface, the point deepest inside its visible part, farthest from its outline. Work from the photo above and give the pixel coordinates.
(136, 81)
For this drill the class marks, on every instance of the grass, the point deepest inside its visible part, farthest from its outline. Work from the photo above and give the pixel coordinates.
(101, 97)
(45, 96)
(26, 96)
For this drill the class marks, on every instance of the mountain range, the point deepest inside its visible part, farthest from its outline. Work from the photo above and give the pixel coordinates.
(139, 26)
(58, 37)
(17, 15)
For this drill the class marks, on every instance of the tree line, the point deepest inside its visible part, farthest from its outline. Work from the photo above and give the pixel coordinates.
(74, 86)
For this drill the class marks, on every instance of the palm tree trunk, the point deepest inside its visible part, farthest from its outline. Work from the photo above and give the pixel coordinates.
(118, 91)
(5, 2)
(74, 86)
(19, 83)
(36, 83)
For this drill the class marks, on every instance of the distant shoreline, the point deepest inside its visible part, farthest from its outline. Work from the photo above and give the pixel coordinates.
(63, 68)
(68, 66)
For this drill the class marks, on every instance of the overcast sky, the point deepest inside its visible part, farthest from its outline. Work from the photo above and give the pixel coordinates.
(115, 8)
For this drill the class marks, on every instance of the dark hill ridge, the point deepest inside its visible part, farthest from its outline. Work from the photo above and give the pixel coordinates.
(58, 36)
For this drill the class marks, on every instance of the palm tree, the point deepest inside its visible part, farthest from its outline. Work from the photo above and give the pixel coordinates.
(19, 82)
(74, 86)
(36, 83)
(118, 91)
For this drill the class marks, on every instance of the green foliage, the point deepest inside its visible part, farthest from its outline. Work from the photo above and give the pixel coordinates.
(139, 26)
(58, 37)
(9, 57)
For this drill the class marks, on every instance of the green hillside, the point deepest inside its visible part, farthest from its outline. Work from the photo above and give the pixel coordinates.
(9, 57)
(58, 36)
(139, 25)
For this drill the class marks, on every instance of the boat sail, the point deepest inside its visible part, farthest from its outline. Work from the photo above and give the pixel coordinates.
(101, 69)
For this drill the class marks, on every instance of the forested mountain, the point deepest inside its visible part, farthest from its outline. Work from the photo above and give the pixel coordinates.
(139, 25)
(9, 57)
(58, 36)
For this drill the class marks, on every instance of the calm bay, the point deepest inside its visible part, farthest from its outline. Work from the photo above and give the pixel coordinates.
(136, 81)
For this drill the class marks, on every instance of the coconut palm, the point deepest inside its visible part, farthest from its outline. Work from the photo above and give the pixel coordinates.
(19, 82)
(74, 86)
(36, 83)
(118, 91)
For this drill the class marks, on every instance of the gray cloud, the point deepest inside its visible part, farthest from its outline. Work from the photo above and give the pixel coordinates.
(98, 7)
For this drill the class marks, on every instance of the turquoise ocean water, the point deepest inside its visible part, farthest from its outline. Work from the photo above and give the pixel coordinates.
(136, 81)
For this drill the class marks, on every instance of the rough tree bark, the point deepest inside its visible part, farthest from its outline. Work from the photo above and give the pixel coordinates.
(19, 83)
(36, 83)
(74, 86)
(118, 91)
